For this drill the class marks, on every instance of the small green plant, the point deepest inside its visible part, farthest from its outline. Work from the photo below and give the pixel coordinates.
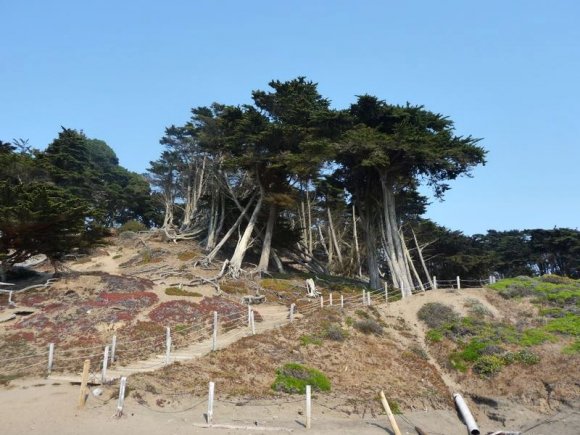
(527, 357)
(362, 314)
(349, 321)
(535, 336)
(176, 291)
(573, 348)
(434, 335)
(488, 365)
(116, 257)
(293, 378)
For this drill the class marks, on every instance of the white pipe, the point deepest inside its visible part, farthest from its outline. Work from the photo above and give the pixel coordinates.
(466, 414)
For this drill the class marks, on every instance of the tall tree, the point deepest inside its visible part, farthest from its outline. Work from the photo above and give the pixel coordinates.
(387, 151)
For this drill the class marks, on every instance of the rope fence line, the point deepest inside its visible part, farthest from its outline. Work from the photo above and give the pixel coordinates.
(204, 326)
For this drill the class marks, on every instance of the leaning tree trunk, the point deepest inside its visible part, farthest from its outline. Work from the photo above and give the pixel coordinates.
(356, 246)
(168, 217)
(398, 261)
(228, 234)
(266, 245)
(242, 246)
(422, 259)
(332, 236)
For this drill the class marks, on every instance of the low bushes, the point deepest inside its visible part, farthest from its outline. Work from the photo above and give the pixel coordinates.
(293, 378)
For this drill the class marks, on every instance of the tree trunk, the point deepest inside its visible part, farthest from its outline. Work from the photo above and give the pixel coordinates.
(356, 247)
(309, 210)
(332, 235)
(228, 234)
(410, 261)
(168, 217)
(242, 246)
(422, 259)
(266, 245)
(398, 263)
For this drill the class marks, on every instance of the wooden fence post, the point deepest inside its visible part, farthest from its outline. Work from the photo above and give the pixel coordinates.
(292, 312)
(364, 297)
(434, 282)
(341, 301)
(390, 414)
(210, 403)
(253, 323)
(167, 345)
(10, 298)
(105, 363)
(84, 382)
(249, 315)
(458, 283)
(369, 298)
(330, 300)
(113, 348)
(321, 301)
(121, 401)
(308, 407)
(50, 357)
(215, 326)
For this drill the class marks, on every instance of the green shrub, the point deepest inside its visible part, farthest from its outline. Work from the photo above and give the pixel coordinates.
(526, 357)
(369, 326)
(349, 321)
(535, 336)
(435, 315)
(488, 365)
(434, 335)
(293, 378)
(132, 225)
(569, 325)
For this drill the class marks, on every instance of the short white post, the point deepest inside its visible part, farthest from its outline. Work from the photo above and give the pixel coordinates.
(253, 323)
(210, 403)
(167, 345)
(369, 298)
(215, 326)
(386, 291)
(121, 400)
(308, 407)
(330, 300)
(249, 315)
(321, 301)
(292, 312)
(364, 297)
(50, 356)
(105, 363)
(113, 348)
(434, 282)
(458, 283)
(10, 298)
(490, 279)
(341, 301)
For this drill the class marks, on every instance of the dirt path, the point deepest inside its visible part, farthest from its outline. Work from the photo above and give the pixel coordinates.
(273, 316)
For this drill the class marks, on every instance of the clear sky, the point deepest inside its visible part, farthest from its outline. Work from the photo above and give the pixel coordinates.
(505, 71)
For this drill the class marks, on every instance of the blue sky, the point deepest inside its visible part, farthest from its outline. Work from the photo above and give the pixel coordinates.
(504, 71)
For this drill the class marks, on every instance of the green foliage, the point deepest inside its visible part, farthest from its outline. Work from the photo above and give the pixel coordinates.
(573, 348)
(569, 325)
(434, 335)
(535, 336)
(488, 365)
(435, 314)
(293, 378)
